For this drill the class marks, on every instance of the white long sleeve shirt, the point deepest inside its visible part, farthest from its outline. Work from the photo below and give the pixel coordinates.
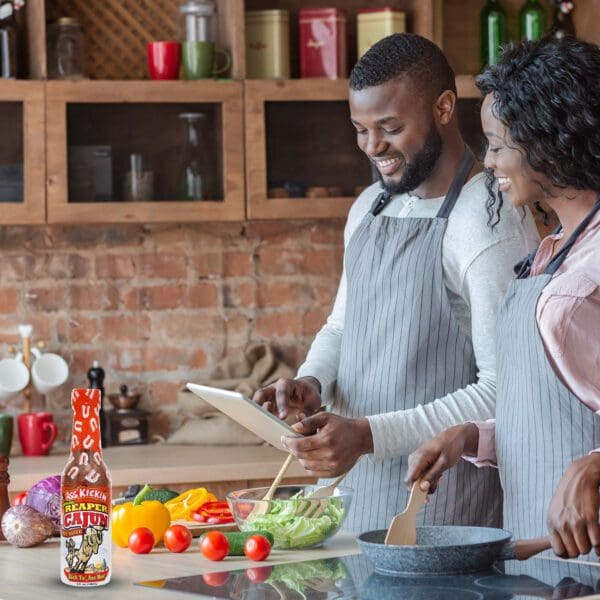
(478, 266)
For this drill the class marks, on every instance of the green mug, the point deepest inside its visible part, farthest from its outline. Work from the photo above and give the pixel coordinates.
(6, 434)
(199, 60)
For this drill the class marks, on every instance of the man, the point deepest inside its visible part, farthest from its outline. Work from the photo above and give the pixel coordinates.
(408, 349)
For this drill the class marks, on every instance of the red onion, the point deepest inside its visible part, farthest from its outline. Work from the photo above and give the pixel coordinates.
(44, 496)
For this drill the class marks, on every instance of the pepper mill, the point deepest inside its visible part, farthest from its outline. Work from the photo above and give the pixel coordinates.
(4, 481)
(96, 378)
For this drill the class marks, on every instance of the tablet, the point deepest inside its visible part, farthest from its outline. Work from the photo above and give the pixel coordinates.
(247, 413)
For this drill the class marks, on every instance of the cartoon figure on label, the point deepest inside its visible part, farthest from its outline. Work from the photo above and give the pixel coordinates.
(78, 558)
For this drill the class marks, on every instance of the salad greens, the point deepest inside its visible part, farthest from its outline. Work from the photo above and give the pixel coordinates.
(315, 574)
(298, 522)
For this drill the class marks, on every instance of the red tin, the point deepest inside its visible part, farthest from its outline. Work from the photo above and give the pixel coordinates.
(323, 49)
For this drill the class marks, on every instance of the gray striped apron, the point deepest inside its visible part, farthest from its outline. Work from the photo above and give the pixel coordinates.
(541, 426)
(402, 347)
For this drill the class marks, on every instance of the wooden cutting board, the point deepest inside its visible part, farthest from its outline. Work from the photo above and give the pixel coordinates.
(198, 529)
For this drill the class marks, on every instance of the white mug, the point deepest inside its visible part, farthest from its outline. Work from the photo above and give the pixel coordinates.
(14, 377)
(48, 372)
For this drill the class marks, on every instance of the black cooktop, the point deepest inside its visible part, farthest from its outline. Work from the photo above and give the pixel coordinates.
(351, 577)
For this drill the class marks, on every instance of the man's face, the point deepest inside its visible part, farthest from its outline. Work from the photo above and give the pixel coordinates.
(396, 130)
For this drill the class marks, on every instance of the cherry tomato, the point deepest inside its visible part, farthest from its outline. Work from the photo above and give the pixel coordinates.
(141, 540)
(19, 499)
(214, 545)
(216, 579)
(258, 574)
(177, 538)
(257, 547)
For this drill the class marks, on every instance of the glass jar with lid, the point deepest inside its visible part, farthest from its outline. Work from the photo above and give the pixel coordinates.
(199, 21)
(65, 49)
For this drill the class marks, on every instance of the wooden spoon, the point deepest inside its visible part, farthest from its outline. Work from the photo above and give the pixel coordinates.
(403, 528)
(262, 506)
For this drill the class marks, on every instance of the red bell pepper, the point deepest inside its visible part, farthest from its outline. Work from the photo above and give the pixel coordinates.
(214, 513)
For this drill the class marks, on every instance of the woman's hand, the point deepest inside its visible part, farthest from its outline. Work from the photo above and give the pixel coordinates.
(573, 512)
(430, 460)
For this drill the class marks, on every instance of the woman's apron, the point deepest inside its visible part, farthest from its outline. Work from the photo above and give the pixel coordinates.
(401, 347)
(541, 426)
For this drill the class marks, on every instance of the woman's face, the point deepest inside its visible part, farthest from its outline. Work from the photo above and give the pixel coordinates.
(516, 179)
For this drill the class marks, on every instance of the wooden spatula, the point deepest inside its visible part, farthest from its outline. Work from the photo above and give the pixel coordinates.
(403, 528)
(262, 507)
(327, 490)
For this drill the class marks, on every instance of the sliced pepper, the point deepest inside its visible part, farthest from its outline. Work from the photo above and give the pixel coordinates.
(185, 504)
(139, 513)
(215, 513)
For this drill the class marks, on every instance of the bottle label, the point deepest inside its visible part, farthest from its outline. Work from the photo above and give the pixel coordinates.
(85, 534)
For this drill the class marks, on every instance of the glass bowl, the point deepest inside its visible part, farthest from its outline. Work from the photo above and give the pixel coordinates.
(293, 520)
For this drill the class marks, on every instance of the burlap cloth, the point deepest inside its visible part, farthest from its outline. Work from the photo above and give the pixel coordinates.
(244, 371)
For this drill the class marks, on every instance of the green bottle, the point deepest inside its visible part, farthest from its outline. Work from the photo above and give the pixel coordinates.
(493, 32)
(532, 20)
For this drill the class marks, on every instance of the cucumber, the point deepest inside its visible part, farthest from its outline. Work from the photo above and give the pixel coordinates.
(237, 539)
(162, 495)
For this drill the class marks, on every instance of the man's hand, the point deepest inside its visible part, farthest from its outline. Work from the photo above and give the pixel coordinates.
(332, 444)
(573, 511)
(430, 460)
(285, 395)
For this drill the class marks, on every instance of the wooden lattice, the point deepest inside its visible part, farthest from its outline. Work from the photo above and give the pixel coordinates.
(116, 32)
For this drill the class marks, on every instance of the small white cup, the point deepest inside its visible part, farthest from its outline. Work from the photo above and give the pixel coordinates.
(48, 372)
(14, 377)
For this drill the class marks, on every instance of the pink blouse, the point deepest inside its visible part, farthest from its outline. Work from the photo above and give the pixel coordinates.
(568, 316)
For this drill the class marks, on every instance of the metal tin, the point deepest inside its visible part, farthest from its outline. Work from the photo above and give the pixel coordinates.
(373, 24)
(323, 50)
(267, 44)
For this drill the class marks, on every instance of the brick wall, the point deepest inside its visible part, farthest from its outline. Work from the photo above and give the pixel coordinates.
(160, 305)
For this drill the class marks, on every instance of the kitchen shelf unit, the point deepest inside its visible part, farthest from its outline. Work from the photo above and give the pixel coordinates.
(226, 97)
(454, 24)
(22, 149)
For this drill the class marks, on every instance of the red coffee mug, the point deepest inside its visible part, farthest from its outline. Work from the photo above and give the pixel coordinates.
(164, 59)
(37, 433)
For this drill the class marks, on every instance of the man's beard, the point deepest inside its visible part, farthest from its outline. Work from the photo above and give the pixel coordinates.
(417, 171)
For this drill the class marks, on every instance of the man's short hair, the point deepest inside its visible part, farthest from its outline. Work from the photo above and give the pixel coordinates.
(404, 55)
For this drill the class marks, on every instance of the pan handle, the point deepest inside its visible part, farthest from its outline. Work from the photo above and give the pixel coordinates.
(524, 549)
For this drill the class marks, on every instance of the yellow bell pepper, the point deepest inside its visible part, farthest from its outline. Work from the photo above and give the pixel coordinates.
(185, 504)
(131, 515)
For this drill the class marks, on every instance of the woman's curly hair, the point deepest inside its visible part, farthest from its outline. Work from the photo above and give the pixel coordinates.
(547, 95)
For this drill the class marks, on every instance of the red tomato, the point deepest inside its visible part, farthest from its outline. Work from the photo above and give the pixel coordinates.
(214, 545)
(258, 574)
(177, 538)
(141, 540)
(19, 499)
(216, 579)
(257, 547)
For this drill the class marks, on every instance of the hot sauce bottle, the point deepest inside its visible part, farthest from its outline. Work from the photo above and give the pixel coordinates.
(85, 540)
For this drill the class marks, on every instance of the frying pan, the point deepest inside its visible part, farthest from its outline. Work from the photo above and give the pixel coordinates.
(447, 550)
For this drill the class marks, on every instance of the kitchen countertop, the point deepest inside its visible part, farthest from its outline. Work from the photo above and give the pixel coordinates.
(164, 464)
(28, 573)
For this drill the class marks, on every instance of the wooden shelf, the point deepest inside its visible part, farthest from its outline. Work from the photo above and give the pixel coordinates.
(227, 94)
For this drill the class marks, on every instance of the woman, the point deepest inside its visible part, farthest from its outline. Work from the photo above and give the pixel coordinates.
(541, 117)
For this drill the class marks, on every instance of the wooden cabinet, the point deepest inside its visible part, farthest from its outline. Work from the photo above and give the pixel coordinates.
(264, 137)
(139, 117)
(22, 165)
